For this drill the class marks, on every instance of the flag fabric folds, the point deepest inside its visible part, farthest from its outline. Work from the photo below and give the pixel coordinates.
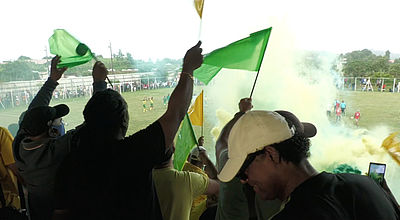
(196, 111)
(184, 142)
(392, 145)
(198, 4)
(65, 45)
(244, 54)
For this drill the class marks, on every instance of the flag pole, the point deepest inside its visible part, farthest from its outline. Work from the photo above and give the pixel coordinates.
(251, 94)
(202, 114)
(201, 16)
(201, 24)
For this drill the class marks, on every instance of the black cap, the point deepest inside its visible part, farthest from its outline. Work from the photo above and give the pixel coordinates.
(304, 129)
(36, 120)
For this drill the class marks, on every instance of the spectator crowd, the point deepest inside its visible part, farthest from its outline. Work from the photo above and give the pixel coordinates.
(96, 171)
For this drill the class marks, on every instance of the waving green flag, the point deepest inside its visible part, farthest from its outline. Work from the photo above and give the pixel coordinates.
(244, 54)
(184, 142)
(72, 52)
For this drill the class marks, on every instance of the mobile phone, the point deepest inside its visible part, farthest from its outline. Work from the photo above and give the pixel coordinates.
(377, 171)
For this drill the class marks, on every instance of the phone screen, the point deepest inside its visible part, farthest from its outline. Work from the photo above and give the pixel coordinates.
(377, 171)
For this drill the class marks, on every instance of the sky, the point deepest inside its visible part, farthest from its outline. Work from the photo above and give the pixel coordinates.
(154, 29)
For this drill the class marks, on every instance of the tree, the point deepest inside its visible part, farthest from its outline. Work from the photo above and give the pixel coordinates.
(387, 55)
(23, 58)
(380, 64)
(16, 71)
(394, 69)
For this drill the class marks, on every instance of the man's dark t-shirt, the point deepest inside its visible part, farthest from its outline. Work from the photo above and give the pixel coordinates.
(112, 182)
(339, 196)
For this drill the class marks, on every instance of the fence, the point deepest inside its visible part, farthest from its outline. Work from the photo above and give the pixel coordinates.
(370, 84)
(21, 92)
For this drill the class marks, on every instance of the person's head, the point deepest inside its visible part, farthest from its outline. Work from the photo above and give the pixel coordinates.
(262, 145)
(107, 113)
(44, 121)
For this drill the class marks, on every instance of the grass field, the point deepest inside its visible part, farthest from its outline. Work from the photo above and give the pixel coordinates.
(376, 109)
(138, 118)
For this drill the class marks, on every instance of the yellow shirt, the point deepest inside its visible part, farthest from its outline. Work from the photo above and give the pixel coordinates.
(7, 178)
(177, 190)
(199, 204)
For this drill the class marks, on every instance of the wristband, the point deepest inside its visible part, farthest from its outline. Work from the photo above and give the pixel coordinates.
(188, 74)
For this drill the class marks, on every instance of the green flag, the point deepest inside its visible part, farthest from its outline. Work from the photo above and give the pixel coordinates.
(244, 54)
(72, 52)
(184, 142)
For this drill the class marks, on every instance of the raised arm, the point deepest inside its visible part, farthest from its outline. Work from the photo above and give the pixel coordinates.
(182, 95)
(99, 74)
(45, 93)
(210, 167)
(222, 141)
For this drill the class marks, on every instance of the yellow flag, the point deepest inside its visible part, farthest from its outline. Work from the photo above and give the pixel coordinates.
(199, 7)
(196, 111)
(392, 145)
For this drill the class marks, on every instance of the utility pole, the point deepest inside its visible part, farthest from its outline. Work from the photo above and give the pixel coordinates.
(112, 69)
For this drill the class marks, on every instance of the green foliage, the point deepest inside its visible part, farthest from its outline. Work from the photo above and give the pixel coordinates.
(22, 58)
(394, 69)
(17, 70)
(26, 69)
(365, 63)
(346, 168)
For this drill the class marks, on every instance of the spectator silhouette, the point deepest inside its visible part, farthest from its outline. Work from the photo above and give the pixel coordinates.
(107, 176)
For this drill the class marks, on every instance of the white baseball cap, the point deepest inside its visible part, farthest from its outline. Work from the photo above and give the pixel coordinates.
(257, 129)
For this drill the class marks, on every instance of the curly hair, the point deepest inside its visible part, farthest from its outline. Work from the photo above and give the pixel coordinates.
(293, 149)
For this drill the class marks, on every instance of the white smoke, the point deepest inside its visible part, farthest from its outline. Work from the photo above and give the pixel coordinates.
(284, 84)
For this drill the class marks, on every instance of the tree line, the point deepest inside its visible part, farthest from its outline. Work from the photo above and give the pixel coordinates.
(24, 68)
(360, 63)
(363, 63)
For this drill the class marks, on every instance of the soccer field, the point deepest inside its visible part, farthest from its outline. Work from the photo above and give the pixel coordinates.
(376, 109)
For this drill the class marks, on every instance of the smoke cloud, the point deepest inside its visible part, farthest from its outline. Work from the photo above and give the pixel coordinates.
(287, 82)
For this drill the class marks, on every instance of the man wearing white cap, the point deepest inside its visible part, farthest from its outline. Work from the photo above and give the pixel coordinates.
(269, 150)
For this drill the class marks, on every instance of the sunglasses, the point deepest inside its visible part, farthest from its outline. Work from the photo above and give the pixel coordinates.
(249, 159)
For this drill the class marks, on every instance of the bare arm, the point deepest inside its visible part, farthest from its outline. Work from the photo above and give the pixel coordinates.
(212, 188)
(43, 97)
(222, 141)
(182, 95)
(210, 167)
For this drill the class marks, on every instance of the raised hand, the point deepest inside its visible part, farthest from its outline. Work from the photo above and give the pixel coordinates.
(201, 141)
(56, 73)
(245, 105)
(99, 72)
(193, 59)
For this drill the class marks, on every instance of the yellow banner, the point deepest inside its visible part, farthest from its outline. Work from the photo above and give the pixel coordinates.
(196, 111)
(392, 145)
(198, 4)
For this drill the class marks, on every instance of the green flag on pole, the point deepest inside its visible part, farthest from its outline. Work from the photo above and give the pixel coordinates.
(244, 54)
(184, 142)
(72, 52)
